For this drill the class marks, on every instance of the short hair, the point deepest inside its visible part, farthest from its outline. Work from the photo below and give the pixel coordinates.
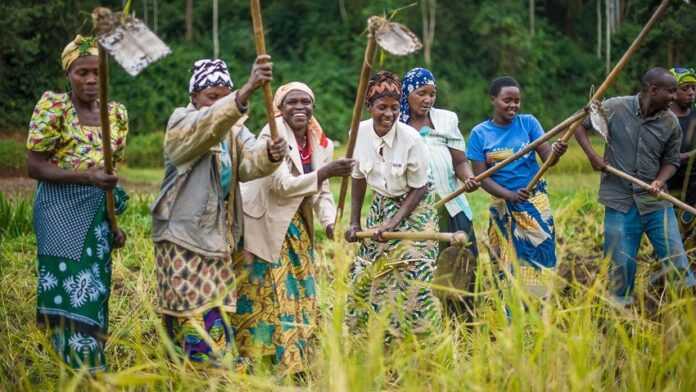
(653, 76)
(499, 83)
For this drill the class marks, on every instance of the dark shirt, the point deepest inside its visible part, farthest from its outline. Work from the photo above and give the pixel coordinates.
(676, 183)
(638, 146)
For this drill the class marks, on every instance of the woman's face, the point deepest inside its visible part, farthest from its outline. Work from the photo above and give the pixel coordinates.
(421, 100)
(507, 103)
(84, 78)
(385, 112)
(297, 108)
(209, 95)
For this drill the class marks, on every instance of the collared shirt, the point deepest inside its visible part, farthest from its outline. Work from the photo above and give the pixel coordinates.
(683, 182)
(445, 136)
(638, 146)
(392, 164)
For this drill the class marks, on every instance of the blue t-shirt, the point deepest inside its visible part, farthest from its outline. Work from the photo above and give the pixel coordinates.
(491, 143)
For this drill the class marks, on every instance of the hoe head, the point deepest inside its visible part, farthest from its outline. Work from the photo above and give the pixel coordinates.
(393, 37)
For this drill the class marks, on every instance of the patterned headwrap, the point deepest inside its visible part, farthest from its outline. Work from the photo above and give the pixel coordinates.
(79, 47)
(313, 125)
(413, 80)
(209, 73)
(383, 84)
(683, 75)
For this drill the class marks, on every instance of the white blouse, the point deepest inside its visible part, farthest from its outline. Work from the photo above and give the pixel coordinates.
(392, 164)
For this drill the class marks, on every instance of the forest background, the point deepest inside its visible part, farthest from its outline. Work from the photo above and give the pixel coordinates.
(557, 49)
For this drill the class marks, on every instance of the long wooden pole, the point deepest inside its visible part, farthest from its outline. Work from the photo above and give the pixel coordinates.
(459, 237)
(260, 41)
(357, 113)
(578, 116)
(106, 131)
(662, 195)
(553, 158)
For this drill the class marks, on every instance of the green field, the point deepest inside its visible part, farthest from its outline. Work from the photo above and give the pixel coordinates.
(573, 341)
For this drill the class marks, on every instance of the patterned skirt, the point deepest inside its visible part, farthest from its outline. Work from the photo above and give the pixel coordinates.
(276, 303)
(392, 276)
(74, 243)
(525, 232)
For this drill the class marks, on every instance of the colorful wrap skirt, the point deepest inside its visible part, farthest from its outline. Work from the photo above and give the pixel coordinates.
(524, 232)
(196, 295)
(74, 243)
(393, 276)
(276, 303)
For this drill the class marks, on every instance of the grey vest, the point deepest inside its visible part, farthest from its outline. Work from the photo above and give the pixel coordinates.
(190, 210)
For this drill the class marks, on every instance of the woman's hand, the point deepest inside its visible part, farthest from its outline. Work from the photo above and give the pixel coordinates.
(519, 196)
(99, 178)
(598, 163)
(559, 148)
(338, 168)
(384, 227)
(261, 72)
(350, 234)
(277, 149)
(119, 238)
(470, 185)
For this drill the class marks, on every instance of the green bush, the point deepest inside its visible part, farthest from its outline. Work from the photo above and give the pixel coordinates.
(13, 156)
(145, 150)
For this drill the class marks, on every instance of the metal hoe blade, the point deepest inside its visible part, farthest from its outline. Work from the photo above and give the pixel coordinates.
(598, 119)
(393, 37)
(130, 42)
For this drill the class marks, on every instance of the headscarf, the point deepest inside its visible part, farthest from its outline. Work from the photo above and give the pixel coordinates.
(413, 80)
(383, 84)
(79, 47)
(313, 126)
(209, 73)
(683, 75)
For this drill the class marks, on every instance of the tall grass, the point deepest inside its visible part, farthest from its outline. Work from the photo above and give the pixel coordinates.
(574, 340)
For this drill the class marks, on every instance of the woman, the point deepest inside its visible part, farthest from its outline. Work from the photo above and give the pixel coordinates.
(73, 235)
(276, 309)
(521, 221)
(446, 149)
(392, 276)
(196, 219)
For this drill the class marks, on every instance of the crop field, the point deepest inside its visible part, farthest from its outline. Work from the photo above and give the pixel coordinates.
(574, 340)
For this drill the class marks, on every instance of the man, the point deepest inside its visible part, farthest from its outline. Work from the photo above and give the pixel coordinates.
(683, 183)
(644, 140)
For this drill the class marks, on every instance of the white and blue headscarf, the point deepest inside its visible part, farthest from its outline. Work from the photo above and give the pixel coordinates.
(208, 73)
(413, 80)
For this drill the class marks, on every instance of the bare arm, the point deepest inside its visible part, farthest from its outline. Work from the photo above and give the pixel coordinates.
(462, 167)
(39, 168)
(583, 139)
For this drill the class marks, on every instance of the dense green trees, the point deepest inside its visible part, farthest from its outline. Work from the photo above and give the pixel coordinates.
(320, 42)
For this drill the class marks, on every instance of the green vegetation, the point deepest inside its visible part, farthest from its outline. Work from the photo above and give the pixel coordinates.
(322, 42)
(13, 156)
(145, 150)
(573, 341)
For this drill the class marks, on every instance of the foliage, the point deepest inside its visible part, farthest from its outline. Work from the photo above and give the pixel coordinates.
(575, 340)
(314, 41)
(145, 150)
(12, 155)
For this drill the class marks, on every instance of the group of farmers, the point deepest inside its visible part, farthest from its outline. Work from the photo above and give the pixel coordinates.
(233, 224)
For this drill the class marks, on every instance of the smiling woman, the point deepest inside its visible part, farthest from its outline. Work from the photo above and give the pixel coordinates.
(392, 160)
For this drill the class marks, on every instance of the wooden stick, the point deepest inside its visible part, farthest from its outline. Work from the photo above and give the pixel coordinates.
(106, 131)
(553, 158)
(357, 114)
(662, 195)
(260, 41)
(459, 237)
(578, 116)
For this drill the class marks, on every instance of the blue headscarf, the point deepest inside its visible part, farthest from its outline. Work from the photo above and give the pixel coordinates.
(412, 80)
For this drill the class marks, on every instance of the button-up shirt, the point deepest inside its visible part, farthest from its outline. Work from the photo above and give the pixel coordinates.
(639, 146)
(392, 164)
